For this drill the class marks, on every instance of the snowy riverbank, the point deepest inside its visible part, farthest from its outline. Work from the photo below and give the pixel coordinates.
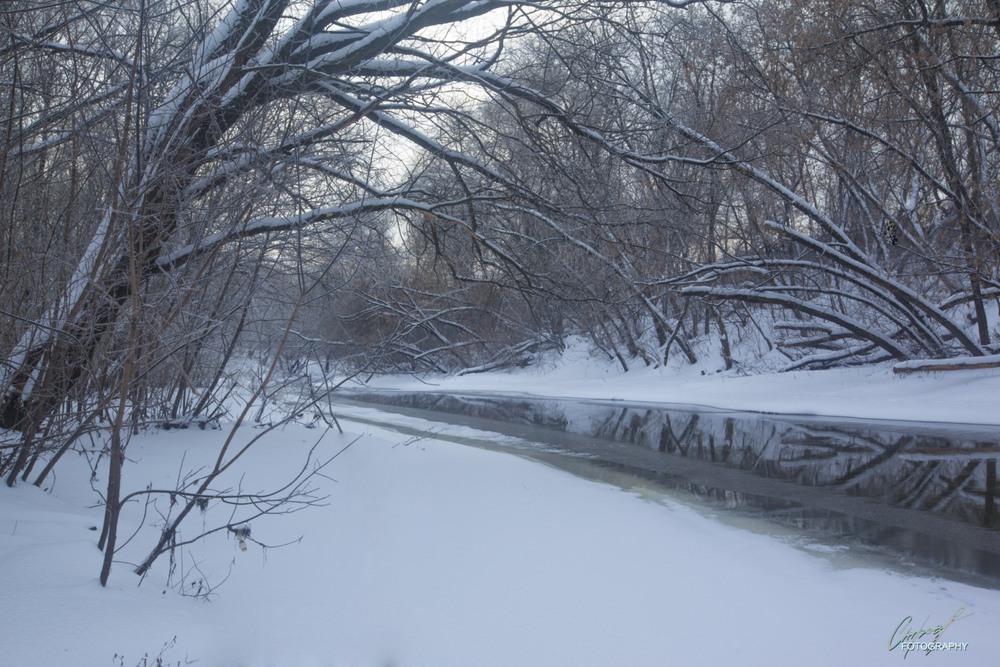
(874, 392)
(433, 553)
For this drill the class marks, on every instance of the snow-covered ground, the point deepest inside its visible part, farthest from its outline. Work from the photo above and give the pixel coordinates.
(873, 392)
(433, 553)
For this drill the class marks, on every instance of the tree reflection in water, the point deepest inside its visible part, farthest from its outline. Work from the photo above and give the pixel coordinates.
(909, 486)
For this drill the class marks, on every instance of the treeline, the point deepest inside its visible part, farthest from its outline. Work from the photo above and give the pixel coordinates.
(820, 175)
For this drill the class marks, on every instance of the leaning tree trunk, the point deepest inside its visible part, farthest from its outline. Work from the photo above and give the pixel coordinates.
(53, 355)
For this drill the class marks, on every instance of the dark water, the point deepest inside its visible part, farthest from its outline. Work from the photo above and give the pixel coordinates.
(924, 493)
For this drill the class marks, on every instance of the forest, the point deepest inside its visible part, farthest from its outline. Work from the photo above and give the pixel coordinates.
(203, 202)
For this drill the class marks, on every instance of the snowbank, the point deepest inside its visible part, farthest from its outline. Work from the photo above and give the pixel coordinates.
(874, 392)
(431, 553)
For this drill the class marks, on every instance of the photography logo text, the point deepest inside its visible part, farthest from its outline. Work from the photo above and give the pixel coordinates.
(926, 637)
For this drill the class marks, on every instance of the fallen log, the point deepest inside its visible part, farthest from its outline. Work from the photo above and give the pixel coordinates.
(954, 364)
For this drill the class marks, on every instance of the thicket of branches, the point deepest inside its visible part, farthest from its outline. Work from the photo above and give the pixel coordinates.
(202, 198)
(820, 174)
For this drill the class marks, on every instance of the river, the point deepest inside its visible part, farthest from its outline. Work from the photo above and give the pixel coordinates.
(921, 495)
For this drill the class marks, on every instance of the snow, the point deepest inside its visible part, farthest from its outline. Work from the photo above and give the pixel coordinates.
(971, 362)
(429, 552)
(869, 392)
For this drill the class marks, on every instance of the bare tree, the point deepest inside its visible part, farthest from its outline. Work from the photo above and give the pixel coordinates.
(203, 147)
(822, 183)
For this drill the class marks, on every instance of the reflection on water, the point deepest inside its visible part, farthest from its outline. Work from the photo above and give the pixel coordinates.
(921, 488)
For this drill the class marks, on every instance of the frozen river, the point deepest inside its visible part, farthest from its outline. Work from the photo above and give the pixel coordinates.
(922, 494)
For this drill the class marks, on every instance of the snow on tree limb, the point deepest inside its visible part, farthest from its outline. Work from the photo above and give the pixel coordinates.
(856, 327)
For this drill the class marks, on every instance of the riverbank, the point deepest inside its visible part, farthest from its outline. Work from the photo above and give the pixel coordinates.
(433, 553)
(871, 392)
(428, 552)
